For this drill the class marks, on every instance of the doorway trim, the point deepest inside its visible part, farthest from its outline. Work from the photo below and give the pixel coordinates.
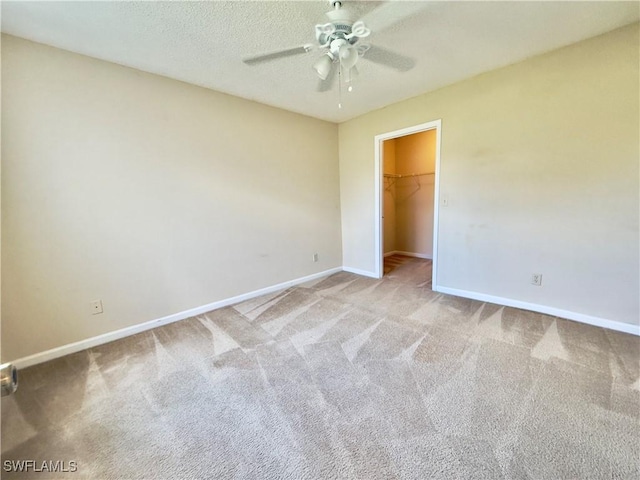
(379, 189)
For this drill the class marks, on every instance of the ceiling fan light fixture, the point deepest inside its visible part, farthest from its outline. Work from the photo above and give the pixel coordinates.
(348, 56)
(323, 65)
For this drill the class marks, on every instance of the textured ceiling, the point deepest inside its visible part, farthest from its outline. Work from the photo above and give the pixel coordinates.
(204, 42)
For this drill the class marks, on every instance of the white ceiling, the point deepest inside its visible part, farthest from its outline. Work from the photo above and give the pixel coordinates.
(204, 42)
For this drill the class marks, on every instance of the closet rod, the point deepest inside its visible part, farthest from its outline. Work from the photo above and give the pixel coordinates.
(397, 175)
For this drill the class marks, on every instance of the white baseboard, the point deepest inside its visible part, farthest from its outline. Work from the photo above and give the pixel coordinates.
(128, 331)
(556, 312)
(357, 271)
(417, 255)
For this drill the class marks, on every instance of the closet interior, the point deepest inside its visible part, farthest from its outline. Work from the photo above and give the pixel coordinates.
(409, 179)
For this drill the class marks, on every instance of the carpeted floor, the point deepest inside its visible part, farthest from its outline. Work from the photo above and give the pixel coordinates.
(346, 377)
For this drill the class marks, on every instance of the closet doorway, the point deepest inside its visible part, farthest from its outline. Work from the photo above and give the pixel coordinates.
(407, 165)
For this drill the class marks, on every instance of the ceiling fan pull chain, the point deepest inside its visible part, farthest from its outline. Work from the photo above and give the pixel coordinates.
(340, 85)
(353, 73)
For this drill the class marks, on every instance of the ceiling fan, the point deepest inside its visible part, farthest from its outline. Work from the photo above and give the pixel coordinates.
(339, 40)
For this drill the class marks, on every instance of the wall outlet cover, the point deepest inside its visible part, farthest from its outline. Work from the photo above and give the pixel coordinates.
(96, 307)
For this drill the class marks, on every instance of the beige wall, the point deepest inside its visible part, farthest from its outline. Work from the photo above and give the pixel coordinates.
(539, 161)
(153, 195)
(140, 190)
(414, 195)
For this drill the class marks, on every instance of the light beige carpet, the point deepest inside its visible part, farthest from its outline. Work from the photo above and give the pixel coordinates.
(348, 377)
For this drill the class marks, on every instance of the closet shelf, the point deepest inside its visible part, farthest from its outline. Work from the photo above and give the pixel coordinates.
(390, 178)
(405, 175)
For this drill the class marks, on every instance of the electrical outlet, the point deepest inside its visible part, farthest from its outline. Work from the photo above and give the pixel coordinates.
(315, 257)
(536, 279)
(96, 307)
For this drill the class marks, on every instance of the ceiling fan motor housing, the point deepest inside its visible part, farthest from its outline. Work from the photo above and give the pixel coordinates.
(341, 31)
(340, 25)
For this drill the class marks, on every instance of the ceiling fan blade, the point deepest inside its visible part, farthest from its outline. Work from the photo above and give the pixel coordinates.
(279, 54)
(327, 84)
(390, 13)
(385, 57)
